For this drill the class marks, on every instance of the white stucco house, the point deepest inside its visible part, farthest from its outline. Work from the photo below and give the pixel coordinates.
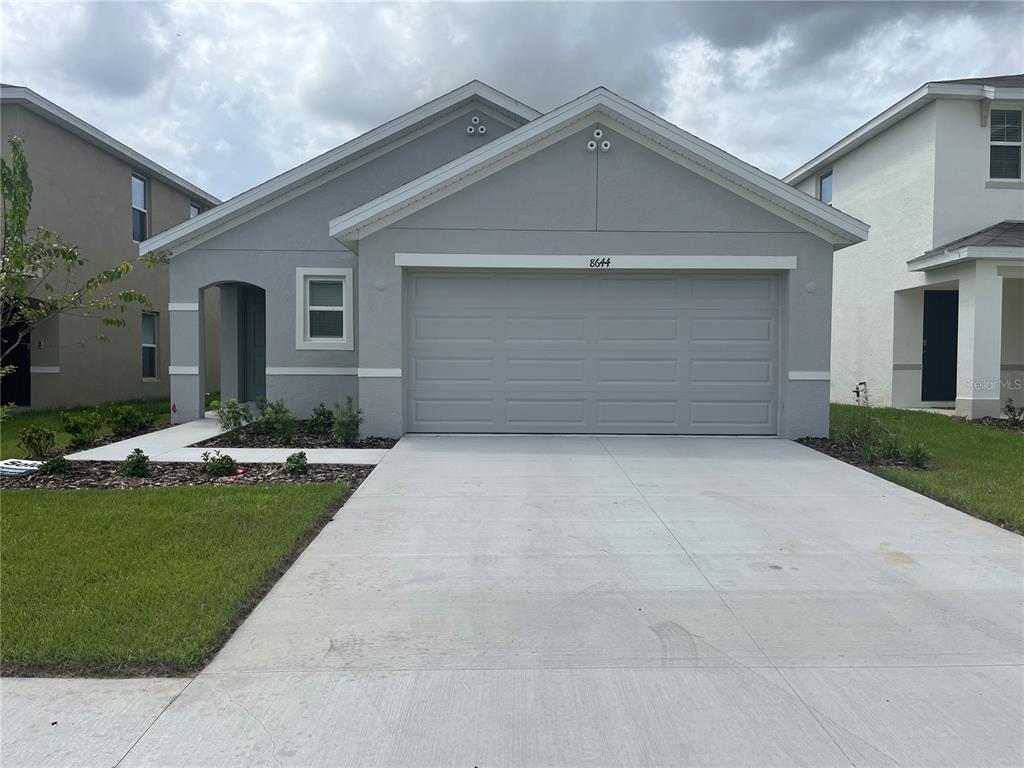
(477, 266)
(930, 310)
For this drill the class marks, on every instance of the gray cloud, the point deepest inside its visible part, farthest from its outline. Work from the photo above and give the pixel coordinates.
(230, 95)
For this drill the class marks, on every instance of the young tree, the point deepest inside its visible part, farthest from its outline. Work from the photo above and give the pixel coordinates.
(40, 272)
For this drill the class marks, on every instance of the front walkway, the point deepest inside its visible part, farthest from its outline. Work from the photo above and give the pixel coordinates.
(574, 601)
(171, 445)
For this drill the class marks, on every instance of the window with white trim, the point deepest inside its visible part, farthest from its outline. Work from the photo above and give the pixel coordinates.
(323, 308)
(149, 345)
(194, 210)
(140, 207)
(1005, 143)
(825, 187)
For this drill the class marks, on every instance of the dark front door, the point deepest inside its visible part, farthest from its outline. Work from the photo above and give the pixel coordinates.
(254, 345)
(938, 363)
(16, 387)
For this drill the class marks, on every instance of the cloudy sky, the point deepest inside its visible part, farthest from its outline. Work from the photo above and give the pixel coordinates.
(229, 95)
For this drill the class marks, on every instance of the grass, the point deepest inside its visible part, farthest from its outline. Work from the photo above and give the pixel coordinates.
(12, 424)
(150, 581)
(977, 469)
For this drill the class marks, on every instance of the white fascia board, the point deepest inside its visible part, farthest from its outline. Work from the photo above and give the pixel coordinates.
(217, 219)
(900, 110)
(584, 261)
(32, 101)
(970, 253)
(599, 105)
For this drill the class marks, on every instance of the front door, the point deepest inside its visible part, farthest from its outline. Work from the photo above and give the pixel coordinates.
(17, 385)
(938, 362)
(254, 345)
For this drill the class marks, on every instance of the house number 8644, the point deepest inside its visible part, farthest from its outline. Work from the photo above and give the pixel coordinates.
(599, 263)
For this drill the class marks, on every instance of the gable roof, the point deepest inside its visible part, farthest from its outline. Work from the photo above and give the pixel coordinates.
(606, 107)
(284, 186)
(33, 102)
(996, 88)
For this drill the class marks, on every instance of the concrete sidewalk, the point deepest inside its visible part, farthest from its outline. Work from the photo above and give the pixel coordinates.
(171, 445)
(584, 601)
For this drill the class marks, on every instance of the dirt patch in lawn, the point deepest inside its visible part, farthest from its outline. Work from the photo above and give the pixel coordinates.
(850, 456)
(998, 423)
(105, 475)
(250, 437)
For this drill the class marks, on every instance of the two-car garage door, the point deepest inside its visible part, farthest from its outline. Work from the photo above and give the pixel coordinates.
(597, 352)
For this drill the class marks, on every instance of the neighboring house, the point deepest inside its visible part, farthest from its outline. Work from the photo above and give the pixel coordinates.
(930, 311)
(475, 266)
(103, 197)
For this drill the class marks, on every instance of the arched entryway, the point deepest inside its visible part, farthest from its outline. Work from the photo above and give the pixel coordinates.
(243, 341)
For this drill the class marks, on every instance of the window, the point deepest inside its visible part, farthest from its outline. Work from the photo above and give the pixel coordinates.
(825, 187)
(140, 210)
(1005, 148)
(149, 337)
(323, 318)
(194, 210)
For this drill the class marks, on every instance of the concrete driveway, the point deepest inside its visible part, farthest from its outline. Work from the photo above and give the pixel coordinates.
(542, 601)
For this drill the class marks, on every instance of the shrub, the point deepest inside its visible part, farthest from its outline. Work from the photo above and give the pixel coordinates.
(1013, 414)
(83, 427)
(274, 418)
(218, 464)
(347, 421)
(135, 465)
(37, 441)
(918, 455)
(321, 421)
(868, 453)
(126, 419)
(55, 466)
(233, 415)
(296, 464)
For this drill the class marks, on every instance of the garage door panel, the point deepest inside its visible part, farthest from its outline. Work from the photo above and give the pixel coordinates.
(624, 353)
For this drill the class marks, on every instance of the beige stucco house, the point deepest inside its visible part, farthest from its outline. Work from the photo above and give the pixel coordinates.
(103, 197)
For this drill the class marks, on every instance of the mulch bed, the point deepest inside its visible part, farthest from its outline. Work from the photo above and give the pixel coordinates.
(105, 475)
(249, 437)
(992, 421)
(841, 452)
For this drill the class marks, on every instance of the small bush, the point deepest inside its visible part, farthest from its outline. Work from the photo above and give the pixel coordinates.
(233, 415)
(274, 418)
(55, 466)
(135, 465)
(918, 455)
(83, 427)
(1013, 414)
(37, 441)
(321, 421)
(296, 464)
(126, 419)
(868, 453)
(218, 464)
(347, 421)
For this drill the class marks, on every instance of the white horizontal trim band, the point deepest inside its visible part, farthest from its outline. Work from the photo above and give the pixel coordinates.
(590, 262)
(44, 369)
(183, 370)
(380, 373)
(809, 376)
(183, 306)
(301, 371)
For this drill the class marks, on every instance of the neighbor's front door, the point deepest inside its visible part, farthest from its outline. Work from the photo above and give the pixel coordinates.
(938, 359)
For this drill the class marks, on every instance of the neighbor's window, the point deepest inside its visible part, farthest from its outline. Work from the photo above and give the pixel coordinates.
(324, 308)
(140, 211)
(1005, 149)
(194, 210)
(149, 337)
(825, 187)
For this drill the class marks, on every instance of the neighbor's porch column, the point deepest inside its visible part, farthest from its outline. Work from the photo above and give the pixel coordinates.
(979, 341)
(186, 360)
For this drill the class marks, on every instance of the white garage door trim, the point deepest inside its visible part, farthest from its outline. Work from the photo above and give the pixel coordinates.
(588, 262)
(713, 351)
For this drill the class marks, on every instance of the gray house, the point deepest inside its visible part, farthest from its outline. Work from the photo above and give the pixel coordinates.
(476, 266)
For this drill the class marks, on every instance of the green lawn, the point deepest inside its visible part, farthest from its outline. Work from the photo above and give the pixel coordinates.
(979, 469)
(128, 582)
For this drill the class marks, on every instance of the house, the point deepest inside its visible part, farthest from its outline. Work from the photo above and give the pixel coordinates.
(476, 266)
(103, 197)
(930, 310)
